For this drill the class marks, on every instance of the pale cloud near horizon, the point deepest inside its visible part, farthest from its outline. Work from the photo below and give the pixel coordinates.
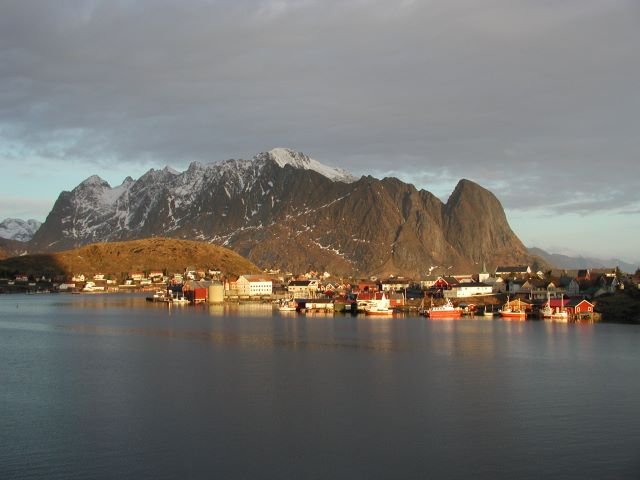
(536, 100)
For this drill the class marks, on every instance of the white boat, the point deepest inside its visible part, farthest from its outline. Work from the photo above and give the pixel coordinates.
(380, 306)
(180, 300)
(488, 311)
(287, 305)
(558, 313)
(159, 296)
(92, 287)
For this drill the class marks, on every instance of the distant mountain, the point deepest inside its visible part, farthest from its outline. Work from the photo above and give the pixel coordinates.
(576, 263)
(19, 230)
(282, 209)
(118, 258)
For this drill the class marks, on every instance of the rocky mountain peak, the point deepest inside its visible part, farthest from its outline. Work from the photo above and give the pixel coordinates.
(92, 182)
(18, 229)
(287, 156)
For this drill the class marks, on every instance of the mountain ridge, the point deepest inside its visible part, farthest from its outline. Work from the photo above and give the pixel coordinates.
(283, 210)
(582, 262)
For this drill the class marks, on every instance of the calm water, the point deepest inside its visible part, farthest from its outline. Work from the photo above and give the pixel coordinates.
(102, 386)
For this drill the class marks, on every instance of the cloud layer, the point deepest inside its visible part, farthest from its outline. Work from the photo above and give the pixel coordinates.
(536, 100)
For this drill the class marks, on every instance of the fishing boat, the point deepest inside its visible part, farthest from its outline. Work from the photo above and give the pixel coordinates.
(287, 305)
(446, 310)
(180, 300)
(380, 306)
(558, 313)
(159, 296)
(488, 311)
(514, 312)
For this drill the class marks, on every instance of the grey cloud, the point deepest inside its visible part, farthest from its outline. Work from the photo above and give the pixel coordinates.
(522, 97)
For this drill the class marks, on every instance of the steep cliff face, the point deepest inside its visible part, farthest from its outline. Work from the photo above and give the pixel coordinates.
(476, 225)
(284, 210)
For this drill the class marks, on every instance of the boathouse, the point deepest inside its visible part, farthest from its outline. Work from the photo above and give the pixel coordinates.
(578, 307)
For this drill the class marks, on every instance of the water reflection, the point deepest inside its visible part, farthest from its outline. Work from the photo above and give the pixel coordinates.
(131, 389)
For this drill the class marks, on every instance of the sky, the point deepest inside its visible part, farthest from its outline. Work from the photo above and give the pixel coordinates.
(535, 100)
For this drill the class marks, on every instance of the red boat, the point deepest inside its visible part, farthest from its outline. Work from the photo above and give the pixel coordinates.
(444, 311)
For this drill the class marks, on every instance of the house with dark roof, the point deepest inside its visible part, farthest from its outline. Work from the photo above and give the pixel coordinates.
(513, 270)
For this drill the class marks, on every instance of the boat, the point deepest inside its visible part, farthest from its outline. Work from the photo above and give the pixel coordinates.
(379, 306)
(446, 310)
(180, 300)
(92, 287)
(513, 312)
(488, 311)
(558, 313)
(287, 305)
(158, 296)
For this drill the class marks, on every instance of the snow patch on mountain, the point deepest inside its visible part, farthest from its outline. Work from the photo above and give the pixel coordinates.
(167, 200)
(286, 156)
(18, 229)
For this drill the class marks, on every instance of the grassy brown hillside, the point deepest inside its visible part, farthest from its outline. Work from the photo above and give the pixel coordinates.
(118, 258)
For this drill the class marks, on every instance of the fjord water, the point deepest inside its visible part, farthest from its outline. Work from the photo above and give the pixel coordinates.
(109, 386)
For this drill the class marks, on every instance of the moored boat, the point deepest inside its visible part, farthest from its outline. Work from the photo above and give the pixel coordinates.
(558, 313)
(380, 306)
(488, 311)
(180, 300)
(287, 305)
(513, 312)
(446, 310)
(159, 296)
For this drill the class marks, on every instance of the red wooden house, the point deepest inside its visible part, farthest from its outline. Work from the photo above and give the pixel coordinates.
(578, 307)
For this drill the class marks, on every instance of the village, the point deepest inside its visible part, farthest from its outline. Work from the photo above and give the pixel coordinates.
(509, 291)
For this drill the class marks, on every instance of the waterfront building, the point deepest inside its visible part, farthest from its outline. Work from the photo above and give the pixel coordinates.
(254, 285)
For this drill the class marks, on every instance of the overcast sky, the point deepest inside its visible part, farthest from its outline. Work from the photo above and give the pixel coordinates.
(536, 100)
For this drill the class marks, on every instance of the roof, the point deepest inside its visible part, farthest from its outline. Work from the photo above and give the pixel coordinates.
(256, 278)
(557, 302)
(513, 269)
(574, 302)
(300, 283)
(472, 284)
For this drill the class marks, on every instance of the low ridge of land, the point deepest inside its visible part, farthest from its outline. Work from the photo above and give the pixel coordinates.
(623, 306)
(116, 258)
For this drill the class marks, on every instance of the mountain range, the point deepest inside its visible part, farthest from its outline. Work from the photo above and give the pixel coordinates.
(575, 263)
(284, 210)
(19, 230)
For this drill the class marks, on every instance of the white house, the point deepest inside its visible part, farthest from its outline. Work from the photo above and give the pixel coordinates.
(136, 276)
(469, 289)
(303, 288)
(395, 285)
(254, 285)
